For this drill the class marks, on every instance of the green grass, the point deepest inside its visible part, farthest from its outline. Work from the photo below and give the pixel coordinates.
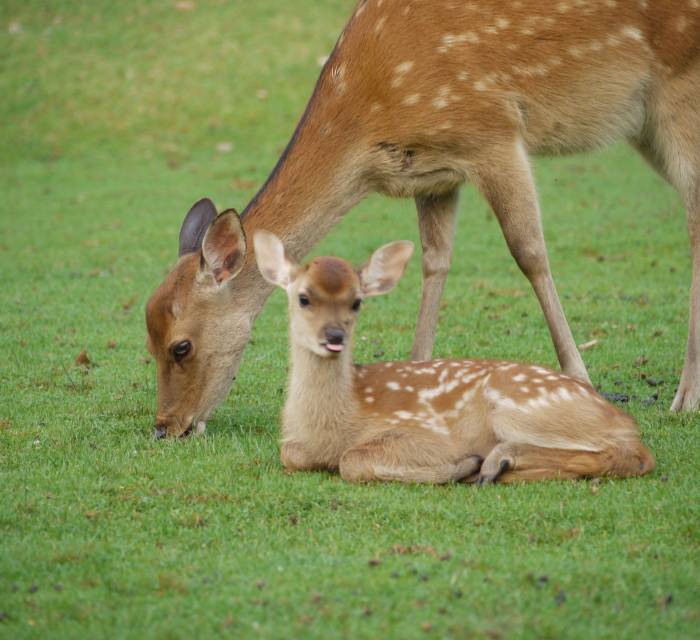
(110, 123)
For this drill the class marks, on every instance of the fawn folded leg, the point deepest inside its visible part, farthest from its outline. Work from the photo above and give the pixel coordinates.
(407, 456)
(509, 187)
(436, 223)
(513, 462)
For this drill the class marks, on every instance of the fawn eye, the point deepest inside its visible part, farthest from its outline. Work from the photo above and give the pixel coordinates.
(304, 300)
(181, 349)
(356, 305)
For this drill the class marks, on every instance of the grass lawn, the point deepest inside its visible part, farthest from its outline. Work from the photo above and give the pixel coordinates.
(115, 117)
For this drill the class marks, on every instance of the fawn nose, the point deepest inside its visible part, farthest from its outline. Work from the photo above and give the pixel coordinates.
(334, 335)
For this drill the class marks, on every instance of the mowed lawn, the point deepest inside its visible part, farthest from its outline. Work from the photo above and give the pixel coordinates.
(114, 118)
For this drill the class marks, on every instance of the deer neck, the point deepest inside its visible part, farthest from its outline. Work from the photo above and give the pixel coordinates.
(321, 408)
(319, 177)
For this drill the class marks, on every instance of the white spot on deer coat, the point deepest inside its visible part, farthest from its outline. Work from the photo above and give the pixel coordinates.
(393, 386)
(633, 33)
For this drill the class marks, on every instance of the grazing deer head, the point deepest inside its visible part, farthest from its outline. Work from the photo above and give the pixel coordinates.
(188, 318)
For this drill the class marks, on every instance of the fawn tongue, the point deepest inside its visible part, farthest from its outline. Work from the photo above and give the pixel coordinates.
(334, 347)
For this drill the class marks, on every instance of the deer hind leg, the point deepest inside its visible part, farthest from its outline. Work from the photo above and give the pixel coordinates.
(671, 144)
(436, 223)
(509, 187)
(407, 456)
(514, 462)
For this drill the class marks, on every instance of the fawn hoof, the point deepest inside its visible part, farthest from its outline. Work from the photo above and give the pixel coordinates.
(491, 478)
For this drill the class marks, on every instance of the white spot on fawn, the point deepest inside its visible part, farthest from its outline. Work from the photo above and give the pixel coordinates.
(414, 98)
(520, 377)
(394, 386)
(380, 24)
(633, 33)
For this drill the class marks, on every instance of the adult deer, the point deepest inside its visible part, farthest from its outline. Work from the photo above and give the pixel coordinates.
(430, 421)
(416, 99)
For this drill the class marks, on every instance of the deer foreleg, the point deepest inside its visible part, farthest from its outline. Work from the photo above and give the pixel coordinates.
(436, 223)
(509, 187)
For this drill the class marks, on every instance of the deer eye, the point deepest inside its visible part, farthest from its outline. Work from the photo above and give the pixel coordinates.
(356, 305)
(181, 349)
(304, 300)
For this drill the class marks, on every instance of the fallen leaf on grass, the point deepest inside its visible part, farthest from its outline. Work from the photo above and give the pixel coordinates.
(185, 5)
(112, 344)
(588, 345)
(83, 360)
(4, 424)
(127, 304)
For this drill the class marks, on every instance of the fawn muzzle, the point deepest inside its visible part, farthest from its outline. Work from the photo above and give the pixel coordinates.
(335, 339)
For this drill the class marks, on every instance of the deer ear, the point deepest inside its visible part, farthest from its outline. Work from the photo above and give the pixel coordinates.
(224, 246)
(274, 263)
(385, 268)
(194, 226)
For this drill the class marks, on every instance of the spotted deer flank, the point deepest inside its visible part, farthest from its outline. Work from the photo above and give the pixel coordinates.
(427, 421)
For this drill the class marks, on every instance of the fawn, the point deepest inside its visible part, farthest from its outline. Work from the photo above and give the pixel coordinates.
(416, 99)
(432, 421)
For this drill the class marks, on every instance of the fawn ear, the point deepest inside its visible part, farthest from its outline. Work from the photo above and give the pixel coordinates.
(274, 263)
(385, 268)
(224, 246)
(194, 226)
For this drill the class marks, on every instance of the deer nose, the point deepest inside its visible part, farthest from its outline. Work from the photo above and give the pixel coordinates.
(335, 335)
(159, 433)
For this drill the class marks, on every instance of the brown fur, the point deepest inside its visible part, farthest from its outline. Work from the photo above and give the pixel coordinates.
(420, 97)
